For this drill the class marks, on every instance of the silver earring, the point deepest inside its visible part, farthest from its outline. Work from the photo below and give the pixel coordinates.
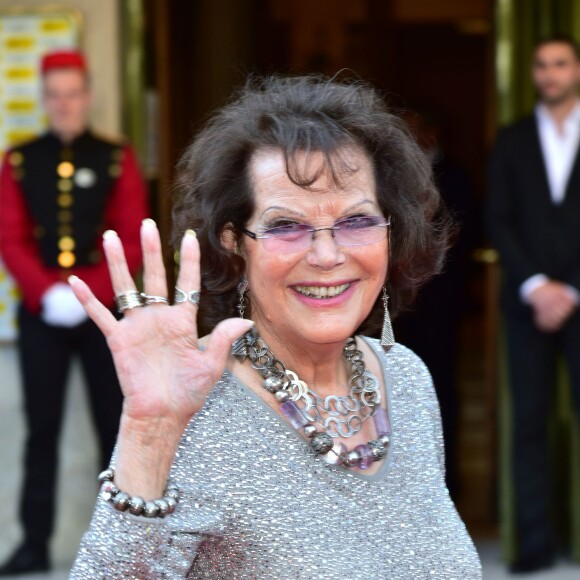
(242, 291)
(387, 335)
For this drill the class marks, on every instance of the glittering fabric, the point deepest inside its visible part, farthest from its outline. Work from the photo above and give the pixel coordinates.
(256, 503)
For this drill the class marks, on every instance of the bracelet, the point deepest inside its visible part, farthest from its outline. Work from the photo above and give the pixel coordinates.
(136, 505)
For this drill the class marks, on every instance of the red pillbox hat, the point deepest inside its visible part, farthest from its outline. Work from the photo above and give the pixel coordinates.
(69, 58)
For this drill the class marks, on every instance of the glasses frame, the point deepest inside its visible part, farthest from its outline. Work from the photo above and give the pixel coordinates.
(313, 231)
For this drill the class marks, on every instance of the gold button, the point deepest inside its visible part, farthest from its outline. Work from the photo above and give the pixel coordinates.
(66, 244)
(114, 170)
(64, 184)
(64, 216)
(65, 169)
(65, 200)
(64, 230)
(15, 158)
(66, 259)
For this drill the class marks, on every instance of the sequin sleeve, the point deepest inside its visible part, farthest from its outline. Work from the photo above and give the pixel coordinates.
(120, 546)
(432, 406)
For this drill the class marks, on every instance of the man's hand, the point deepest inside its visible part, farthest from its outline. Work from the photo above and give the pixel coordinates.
(553, 303)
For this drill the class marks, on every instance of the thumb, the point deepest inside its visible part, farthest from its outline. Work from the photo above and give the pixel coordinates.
(222, 337)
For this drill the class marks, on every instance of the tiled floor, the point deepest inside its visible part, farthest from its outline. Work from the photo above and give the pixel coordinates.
(77, 481)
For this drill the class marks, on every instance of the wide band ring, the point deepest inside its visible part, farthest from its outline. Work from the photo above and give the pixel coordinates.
(128, 300)
(151, 299)
(182, 296)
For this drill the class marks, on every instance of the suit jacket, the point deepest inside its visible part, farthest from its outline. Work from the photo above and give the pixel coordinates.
(531, 233)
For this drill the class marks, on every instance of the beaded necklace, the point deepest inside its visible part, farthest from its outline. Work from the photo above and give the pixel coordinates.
(338, 416)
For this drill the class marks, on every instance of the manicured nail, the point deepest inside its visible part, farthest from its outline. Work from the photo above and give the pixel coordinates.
(110, 234)
(149, 222)
(190, 233)
(72, 279)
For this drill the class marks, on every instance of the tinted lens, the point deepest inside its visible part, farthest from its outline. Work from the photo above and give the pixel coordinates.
(287, 238)
(360, 230)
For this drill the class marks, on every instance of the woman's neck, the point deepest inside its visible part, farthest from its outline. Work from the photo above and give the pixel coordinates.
(321, 366)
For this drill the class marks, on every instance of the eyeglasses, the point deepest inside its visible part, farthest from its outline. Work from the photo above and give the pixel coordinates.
(294, 237)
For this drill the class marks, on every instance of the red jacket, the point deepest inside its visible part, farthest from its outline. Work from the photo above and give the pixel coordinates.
(126, 207)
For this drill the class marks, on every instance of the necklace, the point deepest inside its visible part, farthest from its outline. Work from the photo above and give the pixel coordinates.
(339, 416)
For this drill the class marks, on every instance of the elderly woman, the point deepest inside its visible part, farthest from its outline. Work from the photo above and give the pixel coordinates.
(305, 450)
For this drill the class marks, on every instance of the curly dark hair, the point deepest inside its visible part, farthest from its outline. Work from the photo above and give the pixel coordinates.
(306, 114)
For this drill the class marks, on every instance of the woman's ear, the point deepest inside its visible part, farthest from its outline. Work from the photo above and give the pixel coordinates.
(229, 238)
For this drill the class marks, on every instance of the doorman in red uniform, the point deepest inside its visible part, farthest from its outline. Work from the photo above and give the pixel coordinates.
(58, 194)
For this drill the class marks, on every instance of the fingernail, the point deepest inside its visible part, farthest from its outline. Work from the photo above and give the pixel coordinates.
(72, 279)
(190, 233)
(110, 234)
(149, 222)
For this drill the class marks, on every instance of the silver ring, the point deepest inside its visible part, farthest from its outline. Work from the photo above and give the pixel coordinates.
(182, 296)
(128, 300)
(150, 299)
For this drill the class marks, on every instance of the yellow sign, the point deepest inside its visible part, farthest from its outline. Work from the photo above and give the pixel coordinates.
(26, 34)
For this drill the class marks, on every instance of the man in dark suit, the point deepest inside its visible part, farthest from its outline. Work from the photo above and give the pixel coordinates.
(533, 218)
(58, 194)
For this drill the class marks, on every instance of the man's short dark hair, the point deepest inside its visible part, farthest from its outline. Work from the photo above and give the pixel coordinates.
(559, 39)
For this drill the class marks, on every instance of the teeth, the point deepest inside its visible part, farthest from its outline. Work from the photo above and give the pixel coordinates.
(322, 292)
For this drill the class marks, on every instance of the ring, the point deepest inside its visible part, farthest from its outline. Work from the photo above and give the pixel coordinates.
(128, 300)
(150, 299)
(181, 296)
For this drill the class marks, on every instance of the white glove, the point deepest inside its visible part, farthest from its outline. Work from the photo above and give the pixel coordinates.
(60, 307)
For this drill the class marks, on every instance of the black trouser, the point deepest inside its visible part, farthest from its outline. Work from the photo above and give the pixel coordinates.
(45, 356)
(532, 357)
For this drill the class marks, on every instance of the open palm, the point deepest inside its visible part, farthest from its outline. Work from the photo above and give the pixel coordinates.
(162, 372)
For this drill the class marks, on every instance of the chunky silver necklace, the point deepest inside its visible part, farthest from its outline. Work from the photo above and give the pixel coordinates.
(339, 416)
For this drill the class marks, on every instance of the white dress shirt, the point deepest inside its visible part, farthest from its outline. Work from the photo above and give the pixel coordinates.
(559, 149)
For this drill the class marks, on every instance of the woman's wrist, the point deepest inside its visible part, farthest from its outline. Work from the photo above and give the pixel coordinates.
(145, 453)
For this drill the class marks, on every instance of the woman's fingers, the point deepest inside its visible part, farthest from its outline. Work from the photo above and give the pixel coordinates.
(98, 313)
(154, 280)
(222, 337)
(188, 279)
(118, 269)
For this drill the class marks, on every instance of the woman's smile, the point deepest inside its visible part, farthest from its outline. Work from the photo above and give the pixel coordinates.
(322, 292)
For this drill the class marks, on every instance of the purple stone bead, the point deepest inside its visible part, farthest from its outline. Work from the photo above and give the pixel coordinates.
(366, 456)
(294, 415)
(382, 423)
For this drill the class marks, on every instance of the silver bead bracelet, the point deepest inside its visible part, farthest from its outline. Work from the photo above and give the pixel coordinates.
(136, 505)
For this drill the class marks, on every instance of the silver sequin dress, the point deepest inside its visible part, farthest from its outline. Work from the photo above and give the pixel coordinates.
(256, 503)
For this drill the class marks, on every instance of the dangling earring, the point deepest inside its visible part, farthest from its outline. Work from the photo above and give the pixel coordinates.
(387, 335)
(242, 290)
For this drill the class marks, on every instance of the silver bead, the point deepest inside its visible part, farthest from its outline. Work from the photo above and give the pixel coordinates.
(163, 507)
(151, 509)
(282, 396)
(337, 454)
(171, 504)
(385, 440)
(377, 449)
(109, 490)
(121, 501)
(310, 430)
(136, 505)
(106, 475)
(321, 443)
(272, 384)
(172, 492)
(352, 458)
